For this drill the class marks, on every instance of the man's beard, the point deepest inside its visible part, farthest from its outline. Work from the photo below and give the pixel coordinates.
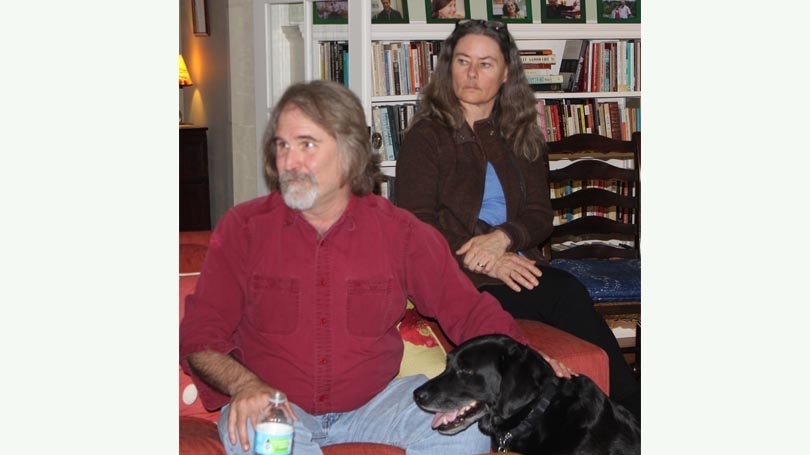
(299, 190)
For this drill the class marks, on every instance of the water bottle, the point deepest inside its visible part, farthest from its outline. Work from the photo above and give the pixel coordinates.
(274, 430)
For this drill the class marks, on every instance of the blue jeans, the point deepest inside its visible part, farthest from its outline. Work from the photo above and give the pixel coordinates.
(390, 418)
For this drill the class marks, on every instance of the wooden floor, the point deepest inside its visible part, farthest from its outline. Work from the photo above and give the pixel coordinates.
(631, 347)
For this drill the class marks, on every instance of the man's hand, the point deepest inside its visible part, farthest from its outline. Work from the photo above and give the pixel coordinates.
(249, 394)
(247, 402)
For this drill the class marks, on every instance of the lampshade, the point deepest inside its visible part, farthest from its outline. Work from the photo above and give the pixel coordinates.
(185, 79)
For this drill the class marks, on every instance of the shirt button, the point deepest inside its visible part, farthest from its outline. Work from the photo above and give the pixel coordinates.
(324, 321)
(322, 398)
(323, 282)
(323, 361)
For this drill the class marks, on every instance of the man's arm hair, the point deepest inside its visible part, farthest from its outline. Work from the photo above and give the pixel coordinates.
(220, 371)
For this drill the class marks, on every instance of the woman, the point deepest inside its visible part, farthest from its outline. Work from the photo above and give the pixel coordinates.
(472, 165)
(445, 9)
(511, 10)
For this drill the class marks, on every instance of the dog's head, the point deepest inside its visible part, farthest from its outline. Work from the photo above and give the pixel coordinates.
(488, 375)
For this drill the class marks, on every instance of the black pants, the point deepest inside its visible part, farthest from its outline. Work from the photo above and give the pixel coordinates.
(563, 302)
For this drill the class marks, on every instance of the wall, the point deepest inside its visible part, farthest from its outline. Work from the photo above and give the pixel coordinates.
(208, 101)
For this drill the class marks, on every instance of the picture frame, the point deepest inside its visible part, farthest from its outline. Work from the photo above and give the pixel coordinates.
(330, 12)
(618, 11)
(398, 15)
(199, 17)
(462, 10)
(562, 11)
(495, 11)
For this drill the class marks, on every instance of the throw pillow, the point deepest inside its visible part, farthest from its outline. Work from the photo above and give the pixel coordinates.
(424, 353)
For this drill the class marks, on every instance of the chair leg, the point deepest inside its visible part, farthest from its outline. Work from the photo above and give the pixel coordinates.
(637, 363)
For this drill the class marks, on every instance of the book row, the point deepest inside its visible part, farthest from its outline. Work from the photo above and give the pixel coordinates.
(386, 188)
(612, 213)
(613, 118)
(390, 122)
(402, 67)
(561, 189)
(558, 118)
(334, 60)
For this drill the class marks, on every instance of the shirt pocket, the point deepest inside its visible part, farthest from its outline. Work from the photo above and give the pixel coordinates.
(370, 312)
(275, 304)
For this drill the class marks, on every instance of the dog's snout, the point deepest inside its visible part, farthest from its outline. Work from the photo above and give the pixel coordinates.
(421, 395)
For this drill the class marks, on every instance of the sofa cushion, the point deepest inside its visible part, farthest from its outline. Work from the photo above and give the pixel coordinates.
(190, 402)
(199, 437)
(607, 280)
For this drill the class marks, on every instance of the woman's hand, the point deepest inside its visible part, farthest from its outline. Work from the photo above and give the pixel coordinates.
(560, 369)
(482, 251)
(516, 271)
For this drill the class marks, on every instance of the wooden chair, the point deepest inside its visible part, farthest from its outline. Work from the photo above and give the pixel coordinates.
(595, 189)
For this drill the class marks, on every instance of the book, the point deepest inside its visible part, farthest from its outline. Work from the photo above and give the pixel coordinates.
(377, 69)
(538, 58)
(537, 72)
(396, 73)
(376, 129)
(385, 126)
(537, 66)
(615, 120)
(523, 52)
(545, 79)
(549, 87)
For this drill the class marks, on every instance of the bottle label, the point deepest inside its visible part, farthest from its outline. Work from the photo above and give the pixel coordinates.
(273, 438)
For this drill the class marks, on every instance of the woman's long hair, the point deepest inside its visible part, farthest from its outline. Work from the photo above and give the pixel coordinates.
(514, 111)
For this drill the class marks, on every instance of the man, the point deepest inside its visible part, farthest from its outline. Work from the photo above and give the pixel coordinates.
(302, 289)
(624, 10)
(556, 10)
(387, 14)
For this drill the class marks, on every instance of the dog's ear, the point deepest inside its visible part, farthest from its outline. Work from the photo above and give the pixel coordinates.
(521, 376)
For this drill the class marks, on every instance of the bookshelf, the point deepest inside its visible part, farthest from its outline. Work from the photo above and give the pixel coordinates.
(297, 18)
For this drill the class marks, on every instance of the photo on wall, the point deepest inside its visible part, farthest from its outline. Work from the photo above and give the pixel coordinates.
(330, 12)
(437, 11)
(389, 11)
(508, 11)
(618, 11)
(562, 11)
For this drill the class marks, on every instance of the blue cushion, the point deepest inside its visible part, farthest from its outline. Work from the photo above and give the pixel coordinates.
(607, 280)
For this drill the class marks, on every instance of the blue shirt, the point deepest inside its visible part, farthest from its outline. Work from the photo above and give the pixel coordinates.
(493, 207)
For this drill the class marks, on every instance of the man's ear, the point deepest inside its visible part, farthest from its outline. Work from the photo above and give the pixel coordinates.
(520, 381)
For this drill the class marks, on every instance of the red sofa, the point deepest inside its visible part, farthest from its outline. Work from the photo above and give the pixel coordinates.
(198, 431)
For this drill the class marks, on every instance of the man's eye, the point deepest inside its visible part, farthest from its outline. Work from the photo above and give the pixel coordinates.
(309, 144)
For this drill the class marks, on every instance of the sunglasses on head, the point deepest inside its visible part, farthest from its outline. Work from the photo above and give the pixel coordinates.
(494, 25)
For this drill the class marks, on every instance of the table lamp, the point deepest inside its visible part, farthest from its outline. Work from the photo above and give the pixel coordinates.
(185, 78)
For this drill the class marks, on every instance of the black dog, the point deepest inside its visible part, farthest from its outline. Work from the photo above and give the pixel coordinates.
(517, 399)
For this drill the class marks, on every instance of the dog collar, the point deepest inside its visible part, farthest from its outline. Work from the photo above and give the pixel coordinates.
(537, 411)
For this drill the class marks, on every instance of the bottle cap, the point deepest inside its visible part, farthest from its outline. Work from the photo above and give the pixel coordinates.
(278, 397)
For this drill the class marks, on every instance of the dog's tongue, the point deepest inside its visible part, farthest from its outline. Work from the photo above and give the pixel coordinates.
(438, 418)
